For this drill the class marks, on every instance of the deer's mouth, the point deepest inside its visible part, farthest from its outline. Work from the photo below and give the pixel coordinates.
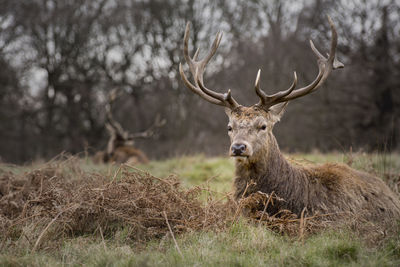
(240, 156)
(245, 154)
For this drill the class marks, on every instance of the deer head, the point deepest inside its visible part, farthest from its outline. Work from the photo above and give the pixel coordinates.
(250, 128)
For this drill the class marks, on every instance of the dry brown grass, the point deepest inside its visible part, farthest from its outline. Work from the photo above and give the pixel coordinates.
(59, 200)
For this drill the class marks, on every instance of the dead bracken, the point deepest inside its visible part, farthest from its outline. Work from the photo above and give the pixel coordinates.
(74, 203)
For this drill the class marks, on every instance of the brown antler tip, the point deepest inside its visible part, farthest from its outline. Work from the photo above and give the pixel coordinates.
(316, 52)
(220, 34)
(257, 83)
(227, 95)
(196, 54)
(259, 92)
(333, 28)
(187, 30)
(337, 64)
(330, 21)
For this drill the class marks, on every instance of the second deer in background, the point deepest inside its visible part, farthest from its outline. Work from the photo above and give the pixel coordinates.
(121, 143)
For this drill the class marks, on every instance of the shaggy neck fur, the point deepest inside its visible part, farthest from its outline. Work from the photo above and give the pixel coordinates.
(268, 171)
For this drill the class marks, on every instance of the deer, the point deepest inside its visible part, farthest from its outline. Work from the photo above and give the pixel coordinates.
(330, 188)
(121, 144)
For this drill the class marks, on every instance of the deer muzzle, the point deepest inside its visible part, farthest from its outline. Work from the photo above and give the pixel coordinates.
(240, 149)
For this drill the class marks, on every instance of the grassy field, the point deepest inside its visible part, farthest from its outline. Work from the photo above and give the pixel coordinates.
(241, 244)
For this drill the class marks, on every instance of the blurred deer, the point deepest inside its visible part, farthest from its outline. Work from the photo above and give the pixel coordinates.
(121, 145)
(260, 166)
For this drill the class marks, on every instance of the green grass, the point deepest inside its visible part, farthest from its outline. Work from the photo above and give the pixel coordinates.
(378, 163)
(217, 172)
(242, 244)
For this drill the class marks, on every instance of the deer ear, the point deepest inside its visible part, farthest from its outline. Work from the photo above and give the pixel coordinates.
(278, 110)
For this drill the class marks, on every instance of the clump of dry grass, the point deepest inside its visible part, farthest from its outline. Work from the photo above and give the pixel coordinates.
(61, 199)
(261, 208)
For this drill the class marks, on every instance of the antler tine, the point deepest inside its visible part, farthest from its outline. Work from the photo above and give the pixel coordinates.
(111, 141)
(188, 59)
(197, 68)
(334, 39)
(195, 89)
(259, 92)
(265, 99)
(224, 98)
(332, 53)
(325, 66)
(213, 48)
(196, 54)
(112, 123)
(151, 131)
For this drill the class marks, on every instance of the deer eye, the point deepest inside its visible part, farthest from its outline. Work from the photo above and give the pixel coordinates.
(229, 128)
(263, 127)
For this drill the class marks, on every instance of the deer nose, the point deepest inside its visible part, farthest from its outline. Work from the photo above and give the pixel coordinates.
(238, 149)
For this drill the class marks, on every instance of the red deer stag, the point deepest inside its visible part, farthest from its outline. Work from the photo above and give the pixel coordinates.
(329, 188)
(120, 147)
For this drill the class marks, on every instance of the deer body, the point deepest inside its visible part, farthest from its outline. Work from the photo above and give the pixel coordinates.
(122, 154)
(324, 189)
(130, 155)
(260, 166)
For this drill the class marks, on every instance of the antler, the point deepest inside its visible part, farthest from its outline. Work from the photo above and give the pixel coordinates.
(325, 66)
(197, 68)
(111, 144)
(113, 126)
(149, 132)
(118, 134)
(115, 130)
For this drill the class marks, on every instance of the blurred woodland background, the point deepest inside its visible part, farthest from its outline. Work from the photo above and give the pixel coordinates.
(60, 58)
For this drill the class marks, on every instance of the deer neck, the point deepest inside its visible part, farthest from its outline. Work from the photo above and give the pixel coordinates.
(269, 160)
(268, 171)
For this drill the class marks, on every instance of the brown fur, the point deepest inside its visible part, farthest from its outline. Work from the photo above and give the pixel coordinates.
(126, 154)
(328, 188)
(122, 154)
